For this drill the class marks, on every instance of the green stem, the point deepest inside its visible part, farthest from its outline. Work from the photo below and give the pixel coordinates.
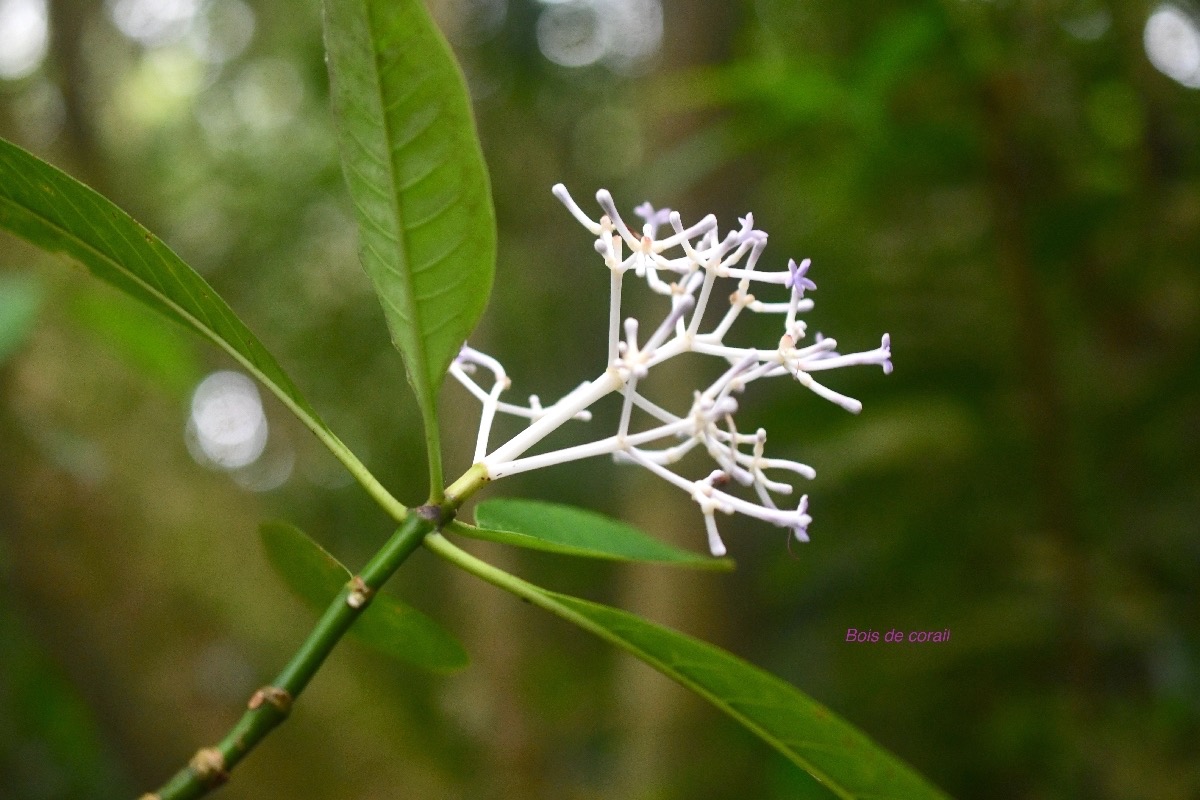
(510, 583)
(269, 706)
(481, 569)
(433, 451)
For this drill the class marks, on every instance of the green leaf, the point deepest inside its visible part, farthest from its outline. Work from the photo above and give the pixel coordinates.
(416, 174)
(387, 625)
(20, 297)
(57, 213)
(833, 751)
(577, 532)
(830, 749)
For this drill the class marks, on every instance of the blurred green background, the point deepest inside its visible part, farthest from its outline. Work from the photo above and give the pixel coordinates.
(1010, 188)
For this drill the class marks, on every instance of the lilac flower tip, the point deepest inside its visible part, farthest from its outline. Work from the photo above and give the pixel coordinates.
(797, 279)
(652, 216)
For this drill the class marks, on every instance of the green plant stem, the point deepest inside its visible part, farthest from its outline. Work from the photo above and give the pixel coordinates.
(535, 595)
(433, 452)
(481, 569)
(510, 583)
(269, 706)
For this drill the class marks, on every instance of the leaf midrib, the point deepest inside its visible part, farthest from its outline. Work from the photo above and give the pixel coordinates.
(402, 267)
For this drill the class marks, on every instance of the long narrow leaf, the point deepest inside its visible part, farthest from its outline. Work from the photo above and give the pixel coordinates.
(830, 749)
(57, 213)
(417, 177)
(573, 531)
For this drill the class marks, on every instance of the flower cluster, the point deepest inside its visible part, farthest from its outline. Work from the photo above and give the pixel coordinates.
(683, 267)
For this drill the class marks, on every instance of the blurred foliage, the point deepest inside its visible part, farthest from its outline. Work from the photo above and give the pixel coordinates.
(1008, 187)
(20, 297)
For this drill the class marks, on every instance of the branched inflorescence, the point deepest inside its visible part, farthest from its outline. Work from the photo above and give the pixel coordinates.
(686, 283)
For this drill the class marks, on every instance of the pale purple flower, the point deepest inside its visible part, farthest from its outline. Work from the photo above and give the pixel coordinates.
(652, 217)
(684, 270)
(798, 280)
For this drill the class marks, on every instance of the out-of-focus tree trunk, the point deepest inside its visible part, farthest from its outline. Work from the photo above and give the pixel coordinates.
(67, 62)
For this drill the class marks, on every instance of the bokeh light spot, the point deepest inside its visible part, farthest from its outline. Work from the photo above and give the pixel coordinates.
(227, 427)
(154, 22)
(24, 36)
(223, 31)
(569, 34)
(622, 34)
(1172, 41)
(1087, 24)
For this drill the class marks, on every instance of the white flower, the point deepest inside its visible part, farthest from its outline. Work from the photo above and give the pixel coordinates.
(683, 267)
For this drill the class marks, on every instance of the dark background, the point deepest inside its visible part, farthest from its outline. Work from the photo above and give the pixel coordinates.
(1010, 188)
